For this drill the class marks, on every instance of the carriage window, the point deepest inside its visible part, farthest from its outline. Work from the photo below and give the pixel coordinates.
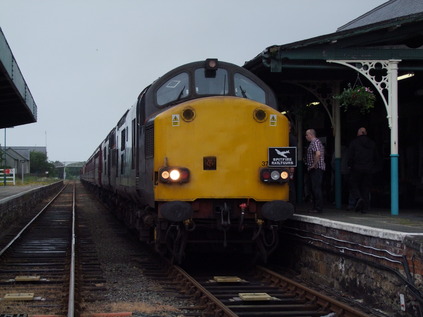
(246, 88)
(174, 89)
(122, 139)
(211, 85)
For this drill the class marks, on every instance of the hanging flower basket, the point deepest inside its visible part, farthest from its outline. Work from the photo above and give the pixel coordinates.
(357, 96)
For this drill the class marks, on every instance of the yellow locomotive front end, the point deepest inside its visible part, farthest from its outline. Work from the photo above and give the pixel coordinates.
(217, 149)
(224, 142)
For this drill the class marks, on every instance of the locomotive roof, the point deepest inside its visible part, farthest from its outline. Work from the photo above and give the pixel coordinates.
(148, 97)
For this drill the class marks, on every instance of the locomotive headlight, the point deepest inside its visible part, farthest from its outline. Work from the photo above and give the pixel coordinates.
(165, 174)
(275, 175)
(284, 175)
(188, 114)
(174, 175)
(260, 115)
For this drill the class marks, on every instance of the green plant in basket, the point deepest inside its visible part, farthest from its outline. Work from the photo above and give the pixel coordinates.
(357, 96)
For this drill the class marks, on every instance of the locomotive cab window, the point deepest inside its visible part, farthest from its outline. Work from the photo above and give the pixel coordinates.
(174, 89)
(246, 88)
(211, 84)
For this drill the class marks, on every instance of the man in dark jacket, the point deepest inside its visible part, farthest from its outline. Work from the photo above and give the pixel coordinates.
(361, 160)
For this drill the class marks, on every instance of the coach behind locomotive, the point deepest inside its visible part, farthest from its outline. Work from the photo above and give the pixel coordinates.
(188, 163)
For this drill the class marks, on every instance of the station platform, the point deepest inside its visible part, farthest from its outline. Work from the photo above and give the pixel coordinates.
(7, 192)
(375, 257)
(408, 221)
(17, 201)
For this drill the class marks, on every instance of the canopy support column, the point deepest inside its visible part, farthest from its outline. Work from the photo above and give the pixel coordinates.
(387, 87)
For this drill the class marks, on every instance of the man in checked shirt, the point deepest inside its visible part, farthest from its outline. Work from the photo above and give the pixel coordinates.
(316, 167)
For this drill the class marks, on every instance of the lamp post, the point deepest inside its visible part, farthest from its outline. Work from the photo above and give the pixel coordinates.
(22, 166)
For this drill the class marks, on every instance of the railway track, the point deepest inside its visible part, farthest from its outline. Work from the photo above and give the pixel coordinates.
(37, 264)
(258, 292)
(113, 273)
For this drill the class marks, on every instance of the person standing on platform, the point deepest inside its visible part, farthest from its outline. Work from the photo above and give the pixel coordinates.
(361, 160)
(316, 167)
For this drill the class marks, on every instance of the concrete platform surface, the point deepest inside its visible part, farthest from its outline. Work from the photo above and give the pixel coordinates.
(408, 222)
(9, 191)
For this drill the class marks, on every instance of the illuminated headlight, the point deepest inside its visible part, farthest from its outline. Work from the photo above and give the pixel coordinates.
(274, 175)
(165, 174)
(174, 175)
(284, 175)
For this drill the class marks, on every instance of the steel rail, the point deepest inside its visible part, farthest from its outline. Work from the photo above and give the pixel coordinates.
(221, 307)
(71, 299)
(29, 223)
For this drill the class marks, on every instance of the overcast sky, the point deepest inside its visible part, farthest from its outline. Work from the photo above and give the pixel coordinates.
(86, 61)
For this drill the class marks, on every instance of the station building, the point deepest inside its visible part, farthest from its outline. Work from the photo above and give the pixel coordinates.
(18, 157)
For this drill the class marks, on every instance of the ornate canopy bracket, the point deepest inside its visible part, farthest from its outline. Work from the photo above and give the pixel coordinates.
(322, 91)
(382, 74)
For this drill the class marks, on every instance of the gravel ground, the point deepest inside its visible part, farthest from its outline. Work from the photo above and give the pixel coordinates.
(120, 256)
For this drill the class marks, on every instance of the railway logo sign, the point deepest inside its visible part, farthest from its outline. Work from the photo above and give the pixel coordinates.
(282, 156)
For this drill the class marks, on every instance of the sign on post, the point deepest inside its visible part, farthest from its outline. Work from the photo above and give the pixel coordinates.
(8, 175)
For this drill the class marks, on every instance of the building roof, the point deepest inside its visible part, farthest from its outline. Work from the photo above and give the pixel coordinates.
(390, 10)
(399, 38)
(17, 106)
(18, 155)
(25, 151)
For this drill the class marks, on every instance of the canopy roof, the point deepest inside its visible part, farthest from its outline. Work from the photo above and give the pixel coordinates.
(399, 38)
(17, 105)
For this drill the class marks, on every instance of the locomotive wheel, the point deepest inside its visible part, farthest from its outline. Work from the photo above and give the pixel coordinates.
(176, 239)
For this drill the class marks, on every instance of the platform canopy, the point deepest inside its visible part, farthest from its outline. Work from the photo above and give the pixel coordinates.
(376, 49)
(17, 106)
(400, 38)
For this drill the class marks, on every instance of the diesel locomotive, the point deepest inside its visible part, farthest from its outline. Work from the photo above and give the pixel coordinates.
(188, 163)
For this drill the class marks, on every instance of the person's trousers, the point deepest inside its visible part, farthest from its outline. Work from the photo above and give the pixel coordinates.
(361, 183)
(316, 180)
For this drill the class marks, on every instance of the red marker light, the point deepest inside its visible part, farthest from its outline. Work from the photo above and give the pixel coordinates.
(265, 174)
(184, 174)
